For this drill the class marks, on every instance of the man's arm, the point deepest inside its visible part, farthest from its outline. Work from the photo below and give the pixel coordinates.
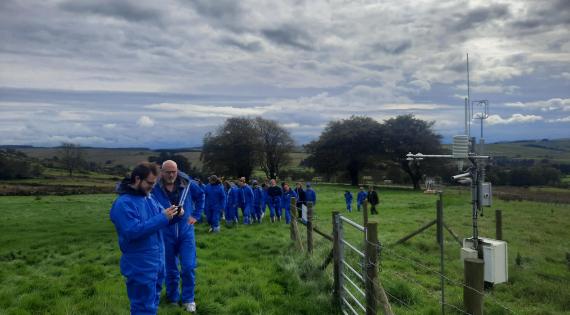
(130, 225)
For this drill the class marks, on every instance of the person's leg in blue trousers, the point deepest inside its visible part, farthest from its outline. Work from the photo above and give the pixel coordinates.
(142, 295)
(188, 264)
(172, 274)
(288, 215)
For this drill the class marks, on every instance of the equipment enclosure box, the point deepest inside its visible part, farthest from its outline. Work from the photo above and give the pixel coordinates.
(496, 259)
(487, 195)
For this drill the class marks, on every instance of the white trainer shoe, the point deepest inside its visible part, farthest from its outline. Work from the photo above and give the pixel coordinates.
(190, 307)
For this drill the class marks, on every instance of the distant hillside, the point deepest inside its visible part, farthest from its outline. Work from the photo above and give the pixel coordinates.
(554, 150)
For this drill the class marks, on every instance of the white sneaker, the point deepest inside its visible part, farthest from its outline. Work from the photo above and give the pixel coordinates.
(189, 307)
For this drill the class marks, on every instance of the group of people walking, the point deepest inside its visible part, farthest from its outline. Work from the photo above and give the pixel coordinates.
(371, 196)
(154, 217)
(225, 199)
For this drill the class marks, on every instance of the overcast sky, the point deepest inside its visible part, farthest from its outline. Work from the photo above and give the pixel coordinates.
(162, 73)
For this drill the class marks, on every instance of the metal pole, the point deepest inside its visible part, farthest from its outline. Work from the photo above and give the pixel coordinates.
(440, 240)
(337, 257)
(370, 260)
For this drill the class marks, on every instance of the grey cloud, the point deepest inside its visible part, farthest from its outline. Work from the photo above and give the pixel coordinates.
(133, 12)
(289, 35)
(393, 47)
(250, 46)
(227, 14)
(474, 18)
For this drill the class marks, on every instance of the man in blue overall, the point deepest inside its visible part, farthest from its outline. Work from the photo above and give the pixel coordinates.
(179, 239)
(360, 198)
(139, 221)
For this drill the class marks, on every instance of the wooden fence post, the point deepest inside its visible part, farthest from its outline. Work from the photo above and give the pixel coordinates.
(293, 210)
(310, 227)
(373, 288)
(474, 280)
(365, 212)
(499, 224)
(337, 257)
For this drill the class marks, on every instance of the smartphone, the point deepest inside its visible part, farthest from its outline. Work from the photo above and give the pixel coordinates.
(177, 210)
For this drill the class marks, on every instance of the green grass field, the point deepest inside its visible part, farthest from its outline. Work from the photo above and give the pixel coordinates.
(59, 255)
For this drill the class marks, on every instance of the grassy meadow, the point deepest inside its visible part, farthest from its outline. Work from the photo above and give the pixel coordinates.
(59, 255)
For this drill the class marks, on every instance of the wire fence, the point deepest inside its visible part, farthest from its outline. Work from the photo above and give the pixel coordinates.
(355, 264)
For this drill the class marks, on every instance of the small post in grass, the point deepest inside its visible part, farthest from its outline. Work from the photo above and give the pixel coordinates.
(365, 212)
(337, 256)
(499, 224)
(310, 227)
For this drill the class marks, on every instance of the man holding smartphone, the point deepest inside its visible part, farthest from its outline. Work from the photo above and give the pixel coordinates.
(179, 239)
(139, 222)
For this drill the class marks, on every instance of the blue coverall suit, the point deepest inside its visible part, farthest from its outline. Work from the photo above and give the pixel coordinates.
(286, 203)
(232, 200)
(179, 239)
(310, 195)
(348, 200)
(248, 197)
(360, 199)
(258, 203)
(139, 222)
(275, 194)
(215, 204)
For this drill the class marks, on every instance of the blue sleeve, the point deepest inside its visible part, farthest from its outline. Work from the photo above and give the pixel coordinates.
(199, 199)
(130, 225)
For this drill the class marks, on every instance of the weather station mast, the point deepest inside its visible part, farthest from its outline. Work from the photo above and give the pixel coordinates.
(465, 148)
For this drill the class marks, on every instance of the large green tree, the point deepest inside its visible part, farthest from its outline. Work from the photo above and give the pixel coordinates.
(276, 143)
(71, 157)
(404, 134)
(232, 150)
(347, 145)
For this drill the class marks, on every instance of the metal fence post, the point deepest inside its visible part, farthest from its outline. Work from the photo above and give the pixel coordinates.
(440, 241)
(310, 227)
(337, 257)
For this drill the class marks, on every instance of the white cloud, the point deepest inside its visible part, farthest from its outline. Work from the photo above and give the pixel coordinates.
(514, 119)
(562, 120)
(552, 104)
(145, 121)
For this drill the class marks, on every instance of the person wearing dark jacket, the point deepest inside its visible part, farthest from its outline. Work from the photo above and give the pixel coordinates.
(274, 192)
(179, 239)
(302, 199)
(139, 221)
(373, 200)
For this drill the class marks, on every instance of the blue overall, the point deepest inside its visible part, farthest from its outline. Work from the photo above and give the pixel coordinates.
(215, 204)
(286, 203)
(232, 201)
(310, 195)
(348, 200)
(360, 199)
(266, 202)
(139, 222)
(258, 203)
(179, 239)
(248, 198)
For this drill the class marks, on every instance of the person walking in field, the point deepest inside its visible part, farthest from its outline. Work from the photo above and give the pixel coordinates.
(373, 200)
(179, 239)
(258, 202)
(310, 195)
(360, 198)
(139, 221)
(288, 193)
(247, 201)
(215, 203)
(348, 200)
(275, 192)
(232, 198)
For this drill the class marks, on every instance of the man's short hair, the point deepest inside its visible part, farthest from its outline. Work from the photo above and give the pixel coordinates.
(143, 170)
